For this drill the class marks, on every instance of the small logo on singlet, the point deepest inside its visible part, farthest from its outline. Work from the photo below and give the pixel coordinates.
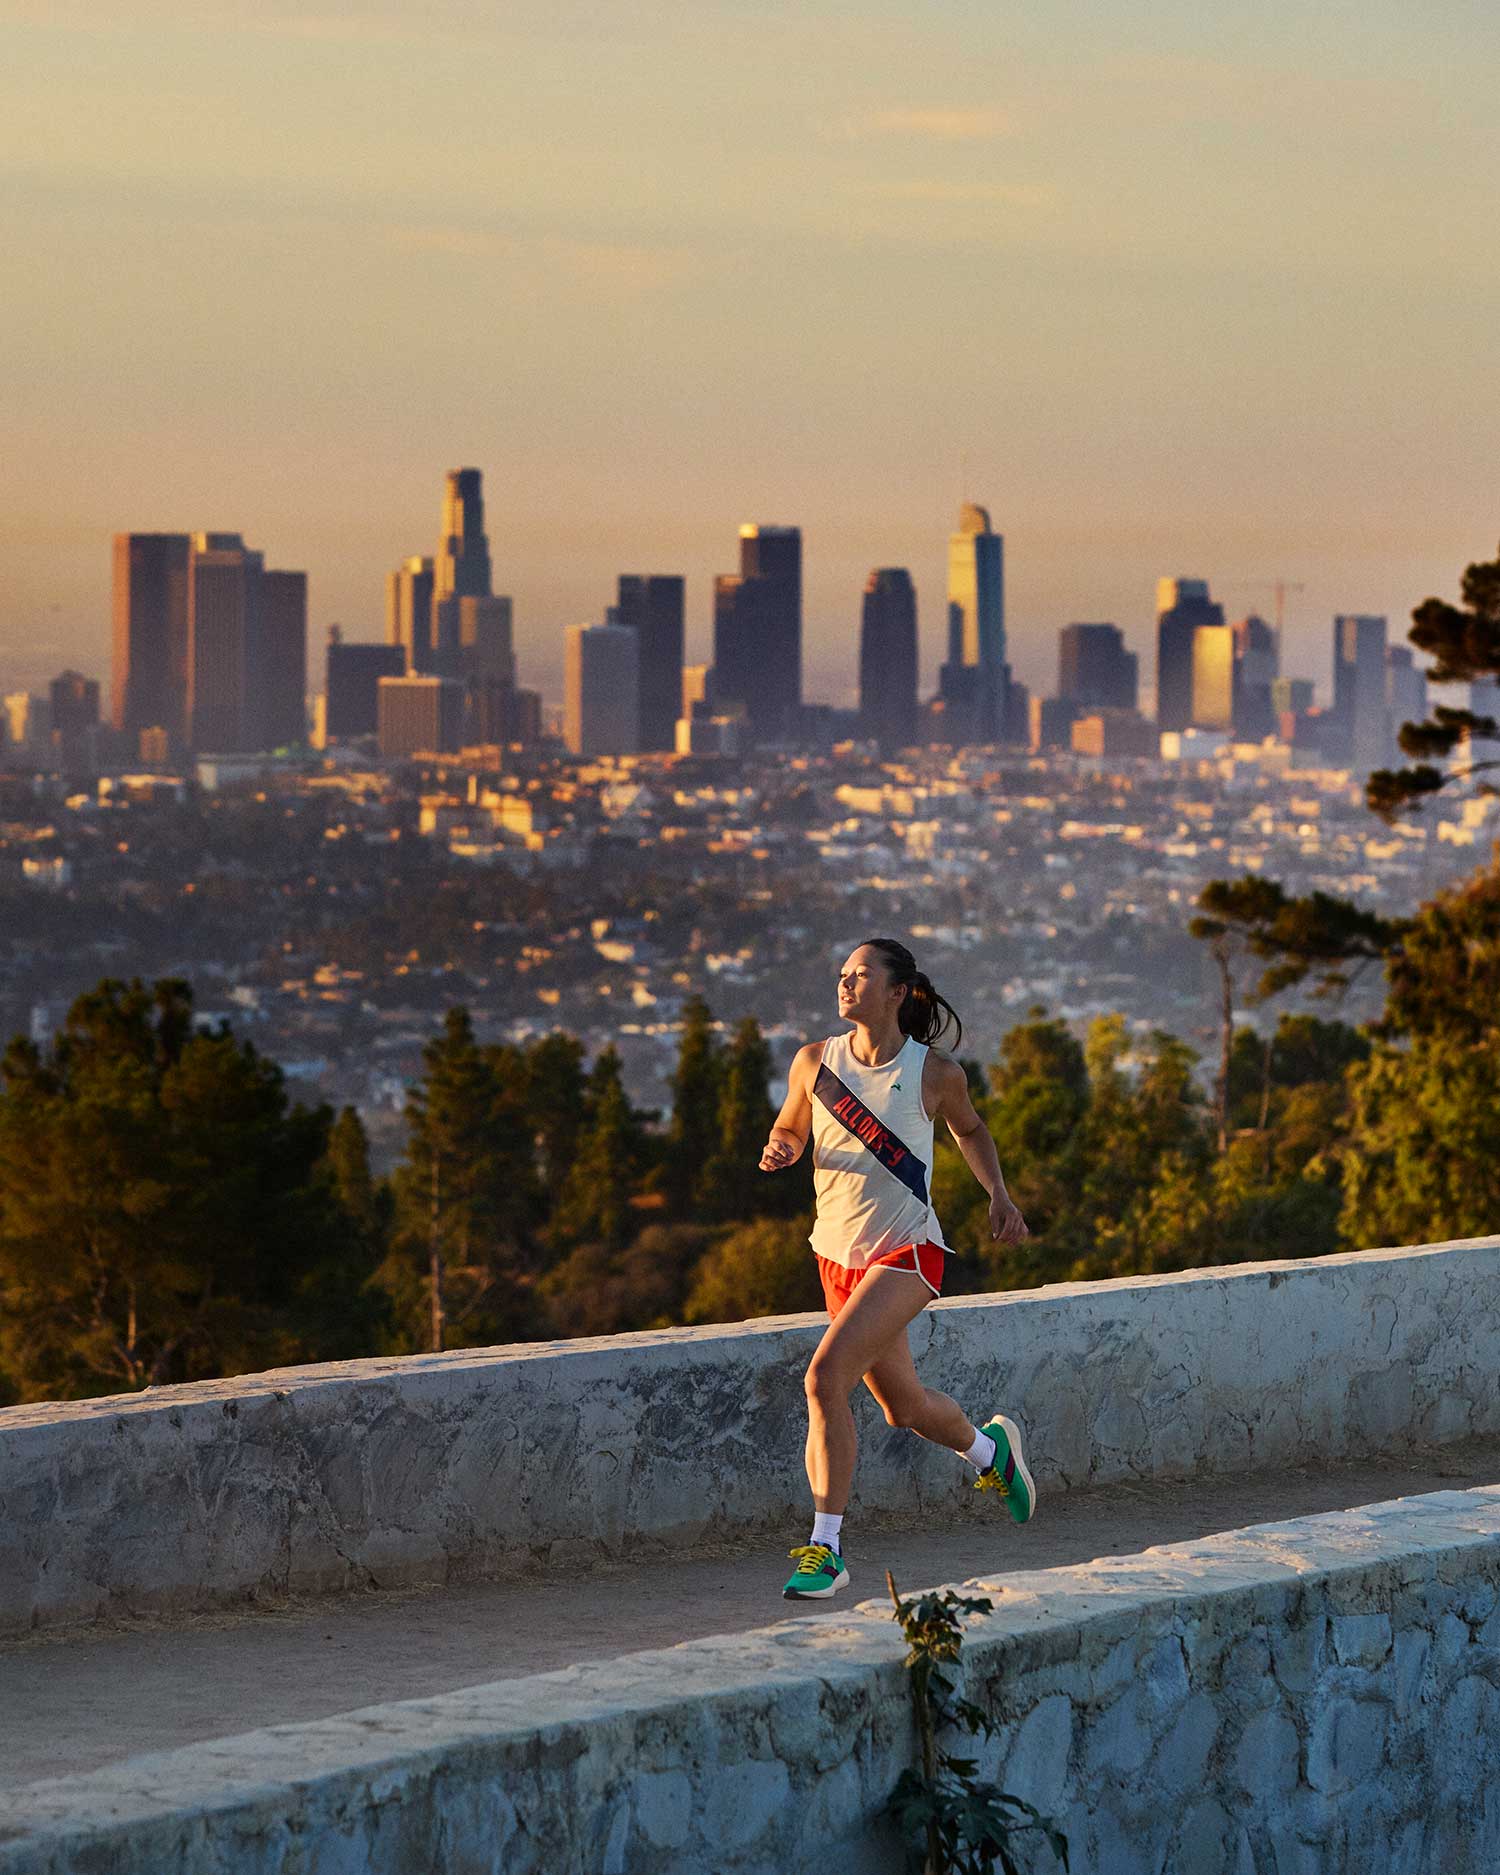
(895, 1087)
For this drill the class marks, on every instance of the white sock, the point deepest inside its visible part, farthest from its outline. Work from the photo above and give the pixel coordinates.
(826, 1529)
(981, 1454)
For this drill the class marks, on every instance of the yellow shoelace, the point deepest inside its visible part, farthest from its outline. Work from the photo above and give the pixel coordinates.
(810, 1557)
(992, 1481)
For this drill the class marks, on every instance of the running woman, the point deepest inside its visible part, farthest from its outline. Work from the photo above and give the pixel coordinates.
(869, 1100)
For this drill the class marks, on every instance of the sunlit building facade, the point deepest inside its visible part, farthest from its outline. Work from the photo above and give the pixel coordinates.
(408, 610)
(973, 681)
(1213, 677)
(1182, 605)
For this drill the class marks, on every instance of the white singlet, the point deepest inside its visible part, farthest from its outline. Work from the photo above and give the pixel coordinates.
(872, 1156)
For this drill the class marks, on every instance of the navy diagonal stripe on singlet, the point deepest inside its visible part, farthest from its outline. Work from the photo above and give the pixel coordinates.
(851, 1112)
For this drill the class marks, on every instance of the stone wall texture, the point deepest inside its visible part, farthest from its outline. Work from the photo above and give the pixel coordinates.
(440, 1468)
(1311, 1696)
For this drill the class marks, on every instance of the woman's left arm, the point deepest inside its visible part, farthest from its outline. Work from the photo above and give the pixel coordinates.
(973, 1139)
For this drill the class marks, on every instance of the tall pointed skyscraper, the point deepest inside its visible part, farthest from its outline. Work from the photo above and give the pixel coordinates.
(976, 677)
(463, 566)
(471, 634)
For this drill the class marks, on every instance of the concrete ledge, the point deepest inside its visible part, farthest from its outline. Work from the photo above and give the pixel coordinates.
(1318, 1694)
(437, 1468)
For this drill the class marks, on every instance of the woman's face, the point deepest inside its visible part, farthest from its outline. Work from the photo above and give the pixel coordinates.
(866, 992)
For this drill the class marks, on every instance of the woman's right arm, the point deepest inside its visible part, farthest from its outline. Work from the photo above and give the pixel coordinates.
(794, 1122)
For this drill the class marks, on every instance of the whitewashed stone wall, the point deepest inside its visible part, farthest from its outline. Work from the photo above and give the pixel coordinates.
(437, 1468)
(1301, 1698)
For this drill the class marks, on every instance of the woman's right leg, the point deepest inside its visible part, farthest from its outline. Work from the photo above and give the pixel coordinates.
(871, 1326)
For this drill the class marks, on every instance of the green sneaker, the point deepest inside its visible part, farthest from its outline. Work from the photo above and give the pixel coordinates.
(820, 1571)
(1008, 1474)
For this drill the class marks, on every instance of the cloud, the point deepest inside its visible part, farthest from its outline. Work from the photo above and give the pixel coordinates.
(932, 124)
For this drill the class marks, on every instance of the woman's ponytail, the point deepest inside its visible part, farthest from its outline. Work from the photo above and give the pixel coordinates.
(923, 1012)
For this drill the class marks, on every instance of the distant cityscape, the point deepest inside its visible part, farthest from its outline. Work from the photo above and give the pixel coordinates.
(210, 665)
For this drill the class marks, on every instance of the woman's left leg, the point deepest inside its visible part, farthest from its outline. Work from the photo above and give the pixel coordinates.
(899, 1393)
(870, 1329)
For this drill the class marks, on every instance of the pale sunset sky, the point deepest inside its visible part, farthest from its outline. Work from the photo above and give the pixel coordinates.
(1173, 288)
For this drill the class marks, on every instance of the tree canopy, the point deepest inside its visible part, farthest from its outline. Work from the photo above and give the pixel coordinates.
(1463, 642)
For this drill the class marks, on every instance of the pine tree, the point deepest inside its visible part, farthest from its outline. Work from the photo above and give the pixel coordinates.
(556, 1102)
(734, 1188)
(1419, 1162)
(696, 1086)
(467, 1203)
(1035, 1115)
(164, 1214)
(608, 1161)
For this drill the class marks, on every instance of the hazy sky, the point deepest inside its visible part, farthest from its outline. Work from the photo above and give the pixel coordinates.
(1173, 288)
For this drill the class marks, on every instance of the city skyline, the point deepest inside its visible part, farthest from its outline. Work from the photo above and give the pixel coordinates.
(244, 636)
(1305, 644)
(1166, 291)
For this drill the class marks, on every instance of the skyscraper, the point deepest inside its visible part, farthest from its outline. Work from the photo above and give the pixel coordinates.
(976, 673)
(738, 628)
(463, 565)
(408, 610)
(1213, 677)
(1405, 689)
(651, 604)
(1256, 667)
(601, 690)
(1094, 670)
(888, 658)
(471, 627)
(149, 678)
(1182, 605)
(758, 631)
(1359, 689)
(279, 700)
(223, 626)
